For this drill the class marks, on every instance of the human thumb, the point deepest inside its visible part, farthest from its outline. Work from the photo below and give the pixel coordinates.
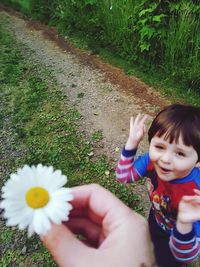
(64, 246)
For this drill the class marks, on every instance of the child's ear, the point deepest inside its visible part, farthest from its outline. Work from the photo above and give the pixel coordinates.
(198, 164)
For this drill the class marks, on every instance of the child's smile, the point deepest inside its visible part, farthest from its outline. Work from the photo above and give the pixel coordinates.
(172, 160)
(164, 170)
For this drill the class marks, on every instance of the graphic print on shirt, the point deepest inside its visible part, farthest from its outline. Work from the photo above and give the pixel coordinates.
(161, 204)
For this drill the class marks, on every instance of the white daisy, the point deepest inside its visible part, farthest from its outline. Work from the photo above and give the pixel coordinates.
(34, 197)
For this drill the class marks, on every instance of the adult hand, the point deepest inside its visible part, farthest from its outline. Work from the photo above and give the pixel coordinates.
(114, 235)
(188, 212)
(136, 132)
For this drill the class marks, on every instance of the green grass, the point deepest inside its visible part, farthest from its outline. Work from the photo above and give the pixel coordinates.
(163, 83)
(171, 31)
(118, 29)
(162, 37)
(181, 52)
(38, 125)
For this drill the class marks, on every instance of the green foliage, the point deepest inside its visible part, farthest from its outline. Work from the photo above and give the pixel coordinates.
(149, 23)
(9, 59)
(97, 136)
(181, 45)
(76, 15)
(9, 258)
(157, 35)
(42, 10)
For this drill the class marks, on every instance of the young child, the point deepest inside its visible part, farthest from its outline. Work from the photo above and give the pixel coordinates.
(173, 180)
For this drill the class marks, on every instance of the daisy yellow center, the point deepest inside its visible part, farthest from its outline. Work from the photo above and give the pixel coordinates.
(37, 197)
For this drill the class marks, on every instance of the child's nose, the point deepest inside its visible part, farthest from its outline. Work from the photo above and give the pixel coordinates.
(166, 157)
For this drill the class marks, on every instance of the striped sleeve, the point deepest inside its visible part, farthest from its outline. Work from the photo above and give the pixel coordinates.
(184, 247)
(128, 170)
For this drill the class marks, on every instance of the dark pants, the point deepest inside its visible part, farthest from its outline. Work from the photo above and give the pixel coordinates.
(160, 239)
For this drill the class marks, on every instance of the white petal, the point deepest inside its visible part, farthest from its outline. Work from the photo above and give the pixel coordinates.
(63, 194)
(52, 216)
(14, 176)
(61, 215)
(15, 216)
(36, 221)
(41, 223)
(57, 211)
(12, 213)
(13, 220)
(45, 177)
(12, 204)
(16, 187)
(15, 206)
(26, 218)
(43, 171)
(30, 230)
(14, 195)
(57, 182)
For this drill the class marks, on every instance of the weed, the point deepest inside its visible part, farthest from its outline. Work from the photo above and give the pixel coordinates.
(97, 136)
(80, 95)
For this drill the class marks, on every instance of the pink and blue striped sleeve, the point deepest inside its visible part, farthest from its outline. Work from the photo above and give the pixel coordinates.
(128, 170)
(184, 247)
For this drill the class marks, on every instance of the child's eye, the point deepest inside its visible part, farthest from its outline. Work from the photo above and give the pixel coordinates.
(181, 154)
(159, 147)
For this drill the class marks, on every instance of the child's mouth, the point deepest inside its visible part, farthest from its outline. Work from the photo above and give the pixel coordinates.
(164, 170)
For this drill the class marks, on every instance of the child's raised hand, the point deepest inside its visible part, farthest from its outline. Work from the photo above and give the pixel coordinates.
(188, 212)
(137, 131)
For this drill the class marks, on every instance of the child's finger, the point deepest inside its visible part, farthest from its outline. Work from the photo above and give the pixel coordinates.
(137, 119)
(191, 199)
(186, 198)
(131, 121)
(144, 129)
(197, 192)
(143, 119)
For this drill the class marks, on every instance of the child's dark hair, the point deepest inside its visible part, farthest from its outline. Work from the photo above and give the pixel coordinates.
(176, 120)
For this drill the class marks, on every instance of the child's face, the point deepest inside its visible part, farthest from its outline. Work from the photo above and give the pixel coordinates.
(172, 161)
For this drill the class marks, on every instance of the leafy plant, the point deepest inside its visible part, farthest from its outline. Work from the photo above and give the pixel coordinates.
(158, 36)
(97, 136)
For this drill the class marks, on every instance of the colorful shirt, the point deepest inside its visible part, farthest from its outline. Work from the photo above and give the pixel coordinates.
(165, 197)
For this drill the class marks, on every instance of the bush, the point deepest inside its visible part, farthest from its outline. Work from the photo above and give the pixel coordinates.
(156, 34)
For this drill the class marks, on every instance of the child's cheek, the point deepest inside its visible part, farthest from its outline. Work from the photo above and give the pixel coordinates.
(152, 154)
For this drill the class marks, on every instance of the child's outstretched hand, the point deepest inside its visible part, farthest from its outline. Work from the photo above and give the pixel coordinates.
(137, 131)
(189, 212)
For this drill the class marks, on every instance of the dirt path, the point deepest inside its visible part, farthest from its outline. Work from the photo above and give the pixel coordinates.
(103, 94)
